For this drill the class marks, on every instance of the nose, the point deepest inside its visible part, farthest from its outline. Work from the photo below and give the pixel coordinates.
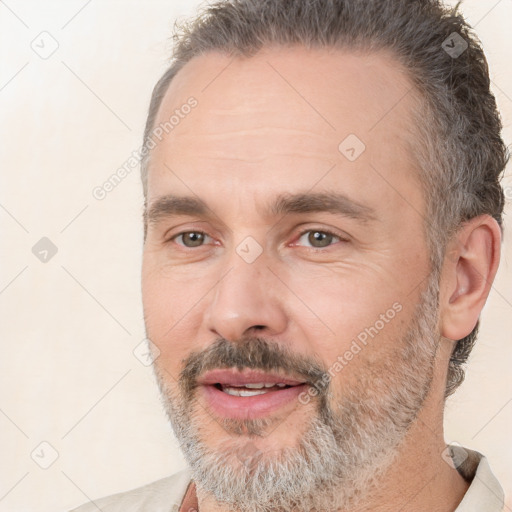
(246, 298)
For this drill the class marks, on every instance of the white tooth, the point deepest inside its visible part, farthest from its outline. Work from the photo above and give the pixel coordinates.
(243, 392)
(280, 385)
(246, 392)
(270, 385)
(255, 386)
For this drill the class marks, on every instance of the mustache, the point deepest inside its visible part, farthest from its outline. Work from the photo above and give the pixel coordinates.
(253, 353)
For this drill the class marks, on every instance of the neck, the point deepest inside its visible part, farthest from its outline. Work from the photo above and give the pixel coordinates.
(420, 478)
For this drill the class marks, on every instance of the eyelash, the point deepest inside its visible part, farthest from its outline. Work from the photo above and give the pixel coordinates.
(300, 235)
(324, 231)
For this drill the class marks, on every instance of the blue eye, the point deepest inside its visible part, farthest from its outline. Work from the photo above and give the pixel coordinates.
(318, 238)
(191, 238)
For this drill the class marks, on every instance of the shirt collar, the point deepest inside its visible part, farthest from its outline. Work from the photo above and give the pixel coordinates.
(484, 493)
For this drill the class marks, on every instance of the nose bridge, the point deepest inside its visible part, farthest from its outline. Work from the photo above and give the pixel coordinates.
(244, 296)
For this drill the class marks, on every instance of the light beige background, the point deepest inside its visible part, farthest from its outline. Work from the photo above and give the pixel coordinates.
(69, 326)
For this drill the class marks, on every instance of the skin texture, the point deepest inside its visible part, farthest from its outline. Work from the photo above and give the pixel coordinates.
(270, 125)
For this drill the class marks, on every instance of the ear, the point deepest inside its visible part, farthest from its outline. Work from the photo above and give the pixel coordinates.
(470, 265)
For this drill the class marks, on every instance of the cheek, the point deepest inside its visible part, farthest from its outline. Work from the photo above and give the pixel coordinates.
(346, 306)
(172, 314)
(365, 329)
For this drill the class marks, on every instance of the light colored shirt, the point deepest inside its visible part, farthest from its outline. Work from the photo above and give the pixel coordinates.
(176, 493)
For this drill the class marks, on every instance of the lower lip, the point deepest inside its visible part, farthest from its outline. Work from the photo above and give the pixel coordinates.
(249, 407)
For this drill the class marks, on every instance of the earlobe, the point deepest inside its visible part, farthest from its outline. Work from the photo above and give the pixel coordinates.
(468, 273)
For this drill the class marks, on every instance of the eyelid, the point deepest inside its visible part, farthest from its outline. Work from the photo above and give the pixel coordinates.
(341, 237)
(181, 233)
(186, 227)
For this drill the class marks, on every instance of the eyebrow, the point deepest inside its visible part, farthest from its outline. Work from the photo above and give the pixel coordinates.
(171, 205)
(285, 204)
(330, 202)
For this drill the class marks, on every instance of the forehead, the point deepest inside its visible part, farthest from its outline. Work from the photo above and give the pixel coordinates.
(285, 117)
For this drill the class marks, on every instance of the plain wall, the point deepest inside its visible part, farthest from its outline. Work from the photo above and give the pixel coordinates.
(69, 326)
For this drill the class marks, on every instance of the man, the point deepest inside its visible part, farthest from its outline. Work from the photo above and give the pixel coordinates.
(322, 229)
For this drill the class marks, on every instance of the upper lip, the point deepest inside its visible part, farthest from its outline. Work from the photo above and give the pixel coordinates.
(237, 378)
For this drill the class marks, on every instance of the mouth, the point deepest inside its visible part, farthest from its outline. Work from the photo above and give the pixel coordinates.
(249, 394)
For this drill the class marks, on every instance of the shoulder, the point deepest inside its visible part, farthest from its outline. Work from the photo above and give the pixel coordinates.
(164, 495)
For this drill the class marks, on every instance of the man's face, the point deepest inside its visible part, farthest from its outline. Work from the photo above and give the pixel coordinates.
(307, 257)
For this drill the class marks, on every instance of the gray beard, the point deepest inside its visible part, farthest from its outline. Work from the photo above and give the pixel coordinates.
(345, 449)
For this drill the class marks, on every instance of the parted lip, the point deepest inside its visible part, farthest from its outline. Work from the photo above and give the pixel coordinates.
(234, 377)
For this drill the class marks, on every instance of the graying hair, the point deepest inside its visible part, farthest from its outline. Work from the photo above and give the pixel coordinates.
(458, 144)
